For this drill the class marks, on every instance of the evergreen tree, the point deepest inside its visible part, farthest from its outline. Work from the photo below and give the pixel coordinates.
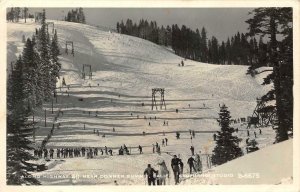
(46, 66)
(56, 66)
(203, 46)
(18, 129)
(227, 146)
(272, 22)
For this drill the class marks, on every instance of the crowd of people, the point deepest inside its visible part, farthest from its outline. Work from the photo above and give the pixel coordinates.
(158, 177)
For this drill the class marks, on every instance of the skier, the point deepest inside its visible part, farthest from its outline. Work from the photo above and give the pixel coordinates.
(254, 134)
(110, 152)
(190, 162)
(248, 133)
(140, 149)
(114, 129)
(215, 137)
(149, 171)
(158, 150)
(193, 133)
(163, 142)
(45, 153)
(105, 148)
(260, 131)
(163, 172)
(166, 141)
(198, 163)
(153, 148)
(177, 135)
(51, 153)
(58, 153)
(181, 166)
(83, 151)
(192, 150)
(149, 124)
(175, 168)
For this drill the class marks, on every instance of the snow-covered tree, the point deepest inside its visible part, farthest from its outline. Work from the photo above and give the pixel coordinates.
(227, 146)
(18, 129)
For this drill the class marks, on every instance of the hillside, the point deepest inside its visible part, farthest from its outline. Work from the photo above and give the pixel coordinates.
(125, 69)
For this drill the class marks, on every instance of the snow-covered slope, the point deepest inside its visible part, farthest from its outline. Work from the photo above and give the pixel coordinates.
(271, 165)
(125, 69)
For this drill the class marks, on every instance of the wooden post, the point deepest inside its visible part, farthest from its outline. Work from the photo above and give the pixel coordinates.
(45, 118)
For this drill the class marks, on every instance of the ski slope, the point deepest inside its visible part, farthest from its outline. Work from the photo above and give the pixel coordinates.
(271, 165)
(125, 69)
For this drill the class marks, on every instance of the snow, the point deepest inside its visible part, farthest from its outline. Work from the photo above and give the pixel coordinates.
(271, 165)
(125, 69)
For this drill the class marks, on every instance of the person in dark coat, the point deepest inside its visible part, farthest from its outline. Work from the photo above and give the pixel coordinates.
(190, 162)
(192, 150)
(140, 149)
(175, 167)
(149, 171)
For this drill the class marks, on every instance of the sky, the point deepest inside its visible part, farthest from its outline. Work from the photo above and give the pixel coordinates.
(219, 22)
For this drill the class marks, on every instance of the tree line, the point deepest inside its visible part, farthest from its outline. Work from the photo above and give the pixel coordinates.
(17, 13)
(31, 82)
(240, 49)
(76, 16)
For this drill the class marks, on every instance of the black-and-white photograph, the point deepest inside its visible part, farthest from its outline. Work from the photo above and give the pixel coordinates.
(149, 96)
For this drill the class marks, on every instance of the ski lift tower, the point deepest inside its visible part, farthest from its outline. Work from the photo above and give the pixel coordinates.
(86, 72)
(69, 43)
(162, 98)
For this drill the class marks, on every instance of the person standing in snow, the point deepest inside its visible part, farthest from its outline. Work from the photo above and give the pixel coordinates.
(175, 168)
(215, 137)
(163, 173)
(140, 149)
(181, 166)
(190, 162)
(166, 139)
(153, 148)
(193, 133)
(149, 172)
(163, 142)
(198, 163)
(192, 150)
(51, 153)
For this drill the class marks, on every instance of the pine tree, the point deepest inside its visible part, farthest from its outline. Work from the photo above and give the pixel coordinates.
(56, 66)
(18, 129)
(227, 146)
(271, 22)
(46, 66)
(203, 45)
